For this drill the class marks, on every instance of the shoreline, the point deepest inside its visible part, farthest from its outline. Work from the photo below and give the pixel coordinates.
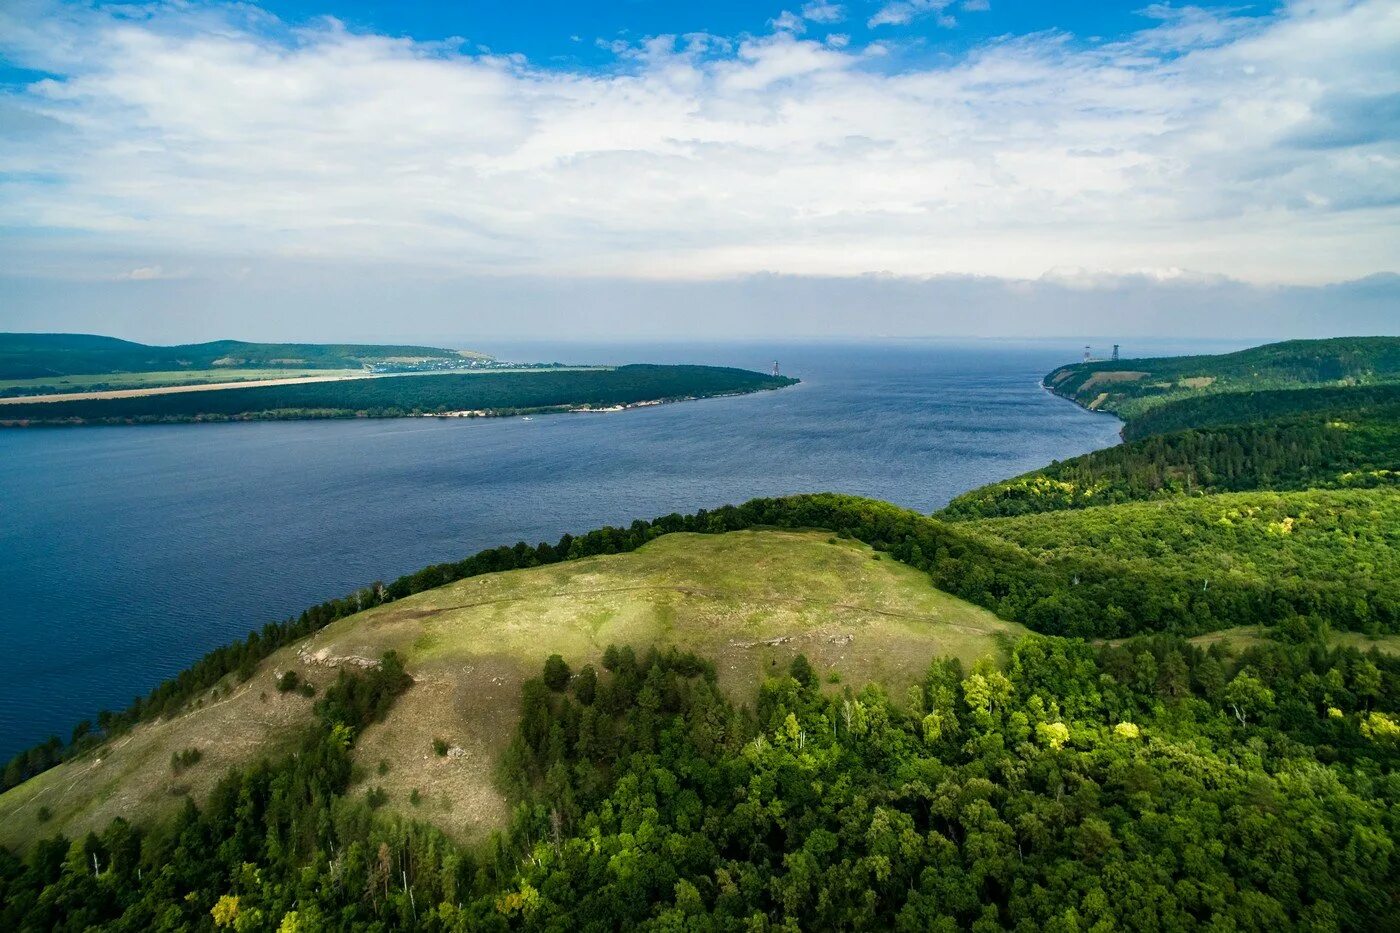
(347, 414)
(101, 394)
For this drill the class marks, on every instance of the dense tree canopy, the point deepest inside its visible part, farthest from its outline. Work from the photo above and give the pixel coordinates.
(1149, 785)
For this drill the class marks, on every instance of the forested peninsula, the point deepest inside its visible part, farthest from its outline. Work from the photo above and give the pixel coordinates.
(482, 394)
(1155, 687)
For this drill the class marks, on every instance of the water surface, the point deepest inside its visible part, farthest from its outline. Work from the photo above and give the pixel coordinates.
(127, 552)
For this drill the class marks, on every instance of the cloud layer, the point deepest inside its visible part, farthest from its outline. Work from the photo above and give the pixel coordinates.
(1265, 149)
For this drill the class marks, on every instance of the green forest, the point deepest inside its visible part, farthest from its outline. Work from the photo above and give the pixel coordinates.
(1133, 387)
(1347, 444)
(1113, 771)
(35, 356)
(398, 396)
(1145, 786)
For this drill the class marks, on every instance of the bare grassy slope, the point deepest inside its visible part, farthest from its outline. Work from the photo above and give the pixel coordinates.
(750, 600)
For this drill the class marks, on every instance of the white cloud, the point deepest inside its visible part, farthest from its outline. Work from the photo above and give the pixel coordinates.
(144, 274)
(787, 21)
(902, 12)
(822, 12)
(1231, 145)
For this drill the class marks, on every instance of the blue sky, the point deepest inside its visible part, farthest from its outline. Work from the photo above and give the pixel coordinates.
(173, 154)
(568, 34)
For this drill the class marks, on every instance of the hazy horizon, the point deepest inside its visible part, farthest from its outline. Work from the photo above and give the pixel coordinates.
(329, 169)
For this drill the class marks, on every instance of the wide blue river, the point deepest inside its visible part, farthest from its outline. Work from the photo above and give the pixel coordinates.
(127, 552)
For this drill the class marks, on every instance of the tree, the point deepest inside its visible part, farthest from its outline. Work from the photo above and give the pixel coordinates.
(556, 673)
(801, 670)
(586, 685)
(1247, 696)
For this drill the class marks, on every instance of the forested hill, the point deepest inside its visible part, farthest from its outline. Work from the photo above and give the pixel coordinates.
(1285, 440)
(36, 356)
(489, 393)
(1132, 387)
(1221, 437)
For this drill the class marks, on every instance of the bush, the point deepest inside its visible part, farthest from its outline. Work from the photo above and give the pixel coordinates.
(440, 747)
(288, 681)
(188, 758)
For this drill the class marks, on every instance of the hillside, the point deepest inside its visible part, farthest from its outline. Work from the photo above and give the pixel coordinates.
(1282, 440)
(1340, 548)
(1130, 388)
(505, 392)
(750, 600)
(43, 356)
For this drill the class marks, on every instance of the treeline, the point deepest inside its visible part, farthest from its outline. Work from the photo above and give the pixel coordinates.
(1089, 595)
(35, 356)
(1353, 449)
(1146, 384)
(1374, 403)
(1151, 785)
(396, 396)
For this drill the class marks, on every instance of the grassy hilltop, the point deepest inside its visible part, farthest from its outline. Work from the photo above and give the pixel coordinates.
(817, 712)
(750, 600)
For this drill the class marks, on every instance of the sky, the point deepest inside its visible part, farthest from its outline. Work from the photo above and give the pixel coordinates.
(339, 169)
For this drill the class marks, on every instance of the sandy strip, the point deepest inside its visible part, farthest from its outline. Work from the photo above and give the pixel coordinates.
(291, 381)
(167, 390)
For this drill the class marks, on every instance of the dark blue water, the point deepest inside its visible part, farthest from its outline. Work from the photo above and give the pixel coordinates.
(127, 552)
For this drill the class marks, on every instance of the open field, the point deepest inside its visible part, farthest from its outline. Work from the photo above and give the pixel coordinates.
(1245, 636)
(749, 600)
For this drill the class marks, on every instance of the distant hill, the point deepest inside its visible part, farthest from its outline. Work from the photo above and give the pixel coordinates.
(479, 393)
(36, 356)
(1130, 388)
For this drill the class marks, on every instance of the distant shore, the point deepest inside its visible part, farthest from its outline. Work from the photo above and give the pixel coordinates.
(432, 395)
